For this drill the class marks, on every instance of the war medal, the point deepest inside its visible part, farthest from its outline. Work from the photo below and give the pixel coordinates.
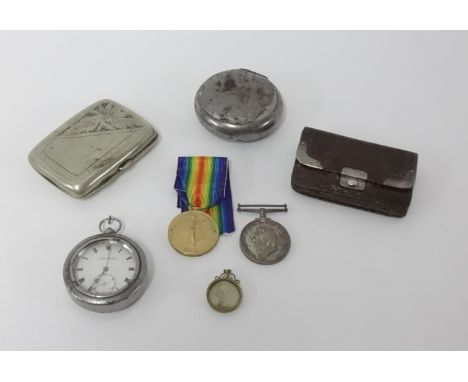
(204, 196)
(193, 233)
(106, 272)
(264, 241)
(224, 294)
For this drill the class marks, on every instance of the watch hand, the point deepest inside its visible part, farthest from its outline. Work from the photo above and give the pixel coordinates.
(95, 282)
(97, 279)
(106, 267)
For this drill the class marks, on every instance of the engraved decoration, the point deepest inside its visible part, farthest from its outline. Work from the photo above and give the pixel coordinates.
(93, 147)
(91, 135)
(106, 116)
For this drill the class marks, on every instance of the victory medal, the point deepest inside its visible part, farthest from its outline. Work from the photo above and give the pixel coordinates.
(204, 196)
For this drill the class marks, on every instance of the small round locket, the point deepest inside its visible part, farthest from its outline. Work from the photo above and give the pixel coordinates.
(224, 293)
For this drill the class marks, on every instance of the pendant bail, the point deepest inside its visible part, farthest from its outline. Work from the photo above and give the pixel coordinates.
(105, 226)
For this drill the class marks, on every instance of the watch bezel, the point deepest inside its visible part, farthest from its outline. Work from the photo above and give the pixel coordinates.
(117, 301)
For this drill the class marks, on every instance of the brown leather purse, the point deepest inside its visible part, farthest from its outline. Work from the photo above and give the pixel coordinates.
(355, 173)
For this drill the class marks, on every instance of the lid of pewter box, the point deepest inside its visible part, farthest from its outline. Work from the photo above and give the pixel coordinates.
(239, 105)
(92, 148)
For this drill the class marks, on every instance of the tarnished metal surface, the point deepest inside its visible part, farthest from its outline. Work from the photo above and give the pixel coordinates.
(264, 241)
(224, 294)
(353, 178)
(92, 148)
(405, 181)
(303, 158)
(238, 105)
(100, 277)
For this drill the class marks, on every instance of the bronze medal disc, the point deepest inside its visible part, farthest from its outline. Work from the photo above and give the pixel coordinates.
(193, 233)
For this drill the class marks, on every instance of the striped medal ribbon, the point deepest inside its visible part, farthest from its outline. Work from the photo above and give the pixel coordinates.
(202, 183)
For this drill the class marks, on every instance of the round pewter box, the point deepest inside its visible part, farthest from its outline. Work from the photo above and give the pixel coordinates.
(239, 105)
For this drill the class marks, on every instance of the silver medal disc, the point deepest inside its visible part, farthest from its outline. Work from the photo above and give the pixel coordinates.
(265, 241)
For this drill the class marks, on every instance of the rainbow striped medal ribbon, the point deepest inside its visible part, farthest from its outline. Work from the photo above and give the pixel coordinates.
(204, 196)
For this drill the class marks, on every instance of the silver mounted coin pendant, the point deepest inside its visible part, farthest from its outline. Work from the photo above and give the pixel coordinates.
(264, 241)
(106, 272)
(239, 105)
(224, 294)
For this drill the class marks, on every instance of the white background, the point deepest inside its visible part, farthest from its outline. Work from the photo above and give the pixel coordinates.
(353, 279)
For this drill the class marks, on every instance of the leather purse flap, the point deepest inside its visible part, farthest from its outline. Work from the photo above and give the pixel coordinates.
(357, 161)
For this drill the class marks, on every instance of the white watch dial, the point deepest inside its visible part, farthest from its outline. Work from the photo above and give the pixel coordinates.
(105, 267)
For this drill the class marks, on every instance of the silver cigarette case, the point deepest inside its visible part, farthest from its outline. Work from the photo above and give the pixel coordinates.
(239, 105)
(92, 148)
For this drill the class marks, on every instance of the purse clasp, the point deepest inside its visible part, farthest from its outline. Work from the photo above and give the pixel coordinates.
(352, 178)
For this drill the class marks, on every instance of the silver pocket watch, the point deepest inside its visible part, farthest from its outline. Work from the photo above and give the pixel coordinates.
(264, 241)
(106, 272)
